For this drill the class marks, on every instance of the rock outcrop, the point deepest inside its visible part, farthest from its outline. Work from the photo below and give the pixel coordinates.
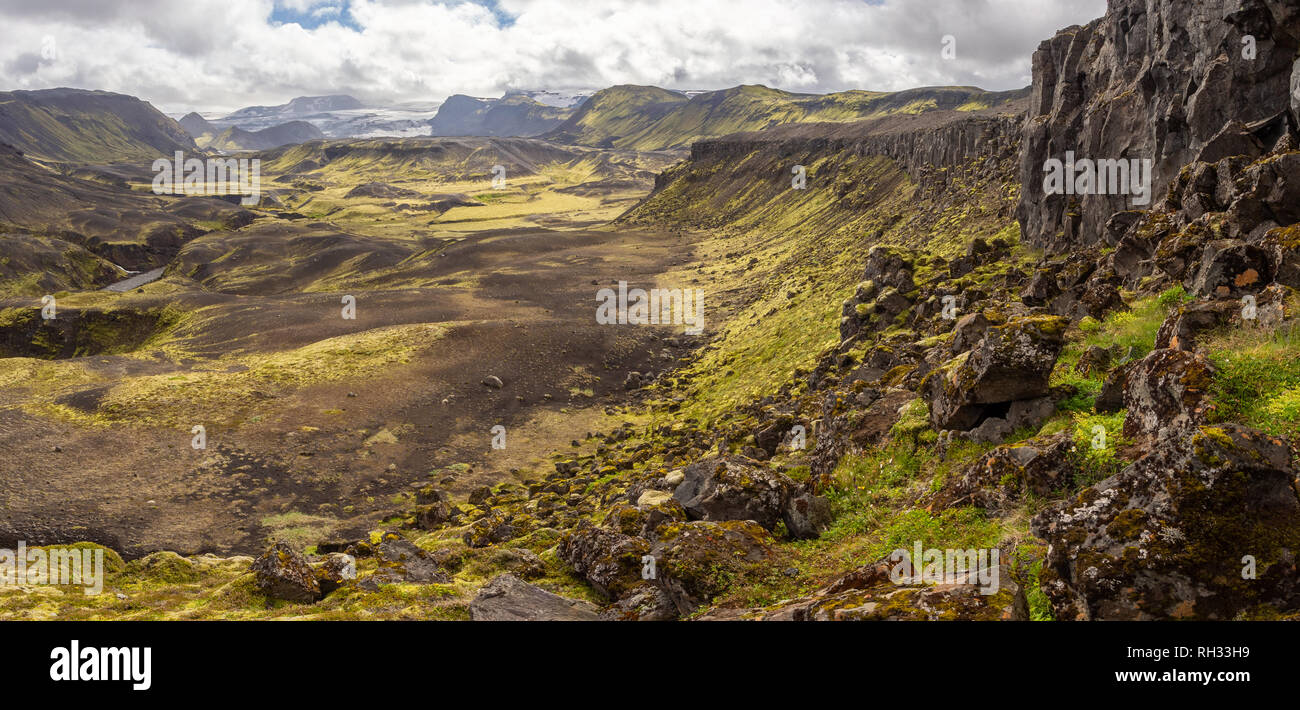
(1206, 526)
(1151, 80)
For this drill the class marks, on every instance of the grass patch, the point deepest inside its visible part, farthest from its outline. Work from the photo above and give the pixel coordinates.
(1257, 379)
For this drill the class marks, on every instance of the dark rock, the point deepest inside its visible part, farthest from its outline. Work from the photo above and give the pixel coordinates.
(731, 488)
(433, 516)
(483, 494)
(647, 602)
(968, 331)
(1283, 248)
(282, 573)
(412, 563)
(336, 570)
(508, 598)
(1040, 466)
(1030, 413)
(1165, 538)
(1094, 359)
(609, 560)
(1167, 391)
(1012, 362)
(1154, 81)
(1230, 268)
(1111, 397)
(699, 560)
(806, 516)
(1180, 328)
(494, 528)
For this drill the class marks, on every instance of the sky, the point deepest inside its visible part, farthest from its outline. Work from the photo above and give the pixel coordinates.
(219, 55)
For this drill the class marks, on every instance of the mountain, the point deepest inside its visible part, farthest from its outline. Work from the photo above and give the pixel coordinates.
(235, 138)
(75, 125)
(558, 99)
(650, 118)
(301, 106)
(197, 126)
(337, 116)
(517, 115)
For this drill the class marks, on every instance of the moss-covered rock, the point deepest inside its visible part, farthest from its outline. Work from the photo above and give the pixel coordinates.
(1205, 526)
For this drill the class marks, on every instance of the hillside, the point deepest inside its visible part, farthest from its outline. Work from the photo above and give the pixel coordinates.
(649, 118)
(132, 229)
(74, 125)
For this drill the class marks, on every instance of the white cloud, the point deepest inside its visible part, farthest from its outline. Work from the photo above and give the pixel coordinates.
(224, 54)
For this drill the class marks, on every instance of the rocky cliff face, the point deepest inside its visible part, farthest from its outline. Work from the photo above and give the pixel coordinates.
(744, 180)
(1157, 80)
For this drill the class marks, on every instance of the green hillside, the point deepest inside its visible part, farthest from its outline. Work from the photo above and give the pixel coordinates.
(73, 125)
(650, 118)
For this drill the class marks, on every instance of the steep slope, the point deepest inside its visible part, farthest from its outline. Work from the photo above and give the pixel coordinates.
(74, 125)
(618, 111)
(513, 115)
(648, 118)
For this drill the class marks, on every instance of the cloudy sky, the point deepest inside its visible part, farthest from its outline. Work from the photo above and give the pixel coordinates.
(218, 55)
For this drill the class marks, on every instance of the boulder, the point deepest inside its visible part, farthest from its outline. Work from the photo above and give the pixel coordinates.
(1283, 248)
(433, 516)
(968, 331)
(1165, 392)
(1111, 397)
(492, 529)
(806, 516)
(1230, 268)
(282, 573)
(733, 488)
(508, 598)
(1204, 526)
(1041, 466)
(336, 570)
(699, 560)
(1011, 362)
(1180, 328)
(409, 561)
(646, 602)
(609, 560)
